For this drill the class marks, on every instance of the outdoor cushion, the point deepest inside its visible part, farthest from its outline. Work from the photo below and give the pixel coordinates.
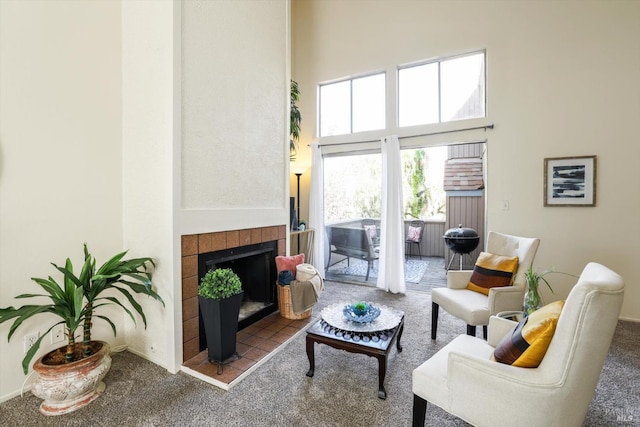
(371, 229)
(413, 234)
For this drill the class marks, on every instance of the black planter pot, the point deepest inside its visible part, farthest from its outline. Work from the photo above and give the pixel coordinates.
(220, 318)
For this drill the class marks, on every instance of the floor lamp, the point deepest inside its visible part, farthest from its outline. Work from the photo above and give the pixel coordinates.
(298, 175)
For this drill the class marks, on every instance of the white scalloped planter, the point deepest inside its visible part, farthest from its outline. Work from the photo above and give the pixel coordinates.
(71, 386)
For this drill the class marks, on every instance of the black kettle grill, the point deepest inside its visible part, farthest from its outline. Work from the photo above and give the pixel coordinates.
(461, 241)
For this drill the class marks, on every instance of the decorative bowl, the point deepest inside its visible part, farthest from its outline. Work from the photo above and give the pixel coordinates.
(359, 314)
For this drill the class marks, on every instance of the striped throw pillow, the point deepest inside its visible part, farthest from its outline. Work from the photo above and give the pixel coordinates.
(526, 345)
(492, 271)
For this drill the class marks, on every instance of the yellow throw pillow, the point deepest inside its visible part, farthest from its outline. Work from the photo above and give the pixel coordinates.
(527, 343)
(492, 271)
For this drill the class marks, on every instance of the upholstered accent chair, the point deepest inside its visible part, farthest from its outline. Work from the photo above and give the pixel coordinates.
(462, 379)
(475, 308)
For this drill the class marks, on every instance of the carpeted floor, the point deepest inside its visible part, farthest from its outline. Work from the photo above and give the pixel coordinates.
(343, 391)
(414, 269)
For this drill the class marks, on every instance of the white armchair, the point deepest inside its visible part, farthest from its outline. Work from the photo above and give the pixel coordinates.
(462, 380)
(476, 308)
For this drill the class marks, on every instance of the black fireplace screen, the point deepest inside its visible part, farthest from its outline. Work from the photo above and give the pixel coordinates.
(256, 268)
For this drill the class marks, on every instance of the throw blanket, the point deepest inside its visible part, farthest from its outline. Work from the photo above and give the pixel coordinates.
(307, 272)
(303, 296)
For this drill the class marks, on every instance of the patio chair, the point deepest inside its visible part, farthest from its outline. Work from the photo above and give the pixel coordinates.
(414, 237)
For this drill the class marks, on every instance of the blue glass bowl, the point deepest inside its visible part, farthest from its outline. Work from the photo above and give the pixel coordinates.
(354, 315)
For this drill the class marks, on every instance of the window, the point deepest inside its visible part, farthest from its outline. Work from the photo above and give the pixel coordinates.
(423, 183)
(354, 105)
(442, 91)
(352, 188)
(352, 185)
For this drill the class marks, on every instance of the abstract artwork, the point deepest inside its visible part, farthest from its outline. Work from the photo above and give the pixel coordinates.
(570, 181)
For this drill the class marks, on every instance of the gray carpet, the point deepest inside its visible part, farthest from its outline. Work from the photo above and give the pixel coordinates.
(343, 391)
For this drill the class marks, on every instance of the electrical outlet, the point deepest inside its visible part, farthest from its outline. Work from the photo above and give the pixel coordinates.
(30, 340)
(57, 334)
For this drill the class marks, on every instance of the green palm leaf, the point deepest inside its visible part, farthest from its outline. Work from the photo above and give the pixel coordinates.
(75, 301)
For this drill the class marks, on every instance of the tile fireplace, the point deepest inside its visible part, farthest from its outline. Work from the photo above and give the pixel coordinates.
(250, 253)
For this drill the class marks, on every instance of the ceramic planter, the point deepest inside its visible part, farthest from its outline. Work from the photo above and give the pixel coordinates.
(220, 318)
(71, 386)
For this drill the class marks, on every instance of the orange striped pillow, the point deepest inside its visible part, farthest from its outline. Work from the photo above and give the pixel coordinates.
(492, 271)
(526, 344)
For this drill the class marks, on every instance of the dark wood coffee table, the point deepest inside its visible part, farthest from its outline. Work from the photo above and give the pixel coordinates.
(380, 349)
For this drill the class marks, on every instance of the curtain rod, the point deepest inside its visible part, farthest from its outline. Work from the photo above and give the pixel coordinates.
(489, 126)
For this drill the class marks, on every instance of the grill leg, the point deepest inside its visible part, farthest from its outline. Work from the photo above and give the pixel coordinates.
(451, 260)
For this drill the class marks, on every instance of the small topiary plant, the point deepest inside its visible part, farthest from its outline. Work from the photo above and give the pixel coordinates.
(360, 308)
(220, 283)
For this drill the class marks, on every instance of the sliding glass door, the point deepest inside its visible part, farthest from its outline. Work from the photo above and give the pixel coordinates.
(352, 211)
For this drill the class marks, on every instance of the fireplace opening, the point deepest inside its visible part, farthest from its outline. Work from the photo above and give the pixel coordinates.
(255, 266)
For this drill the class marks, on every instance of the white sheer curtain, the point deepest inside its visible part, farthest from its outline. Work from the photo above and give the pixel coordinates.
(316, 209)
(391, 263)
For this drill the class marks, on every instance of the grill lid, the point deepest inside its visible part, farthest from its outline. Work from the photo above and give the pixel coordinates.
(461, 233)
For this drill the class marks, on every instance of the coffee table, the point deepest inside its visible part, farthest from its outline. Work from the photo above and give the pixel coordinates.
(373, 344)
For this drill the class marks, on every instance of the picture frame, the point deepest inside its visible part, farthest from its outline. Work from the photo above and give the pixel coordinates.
(570, 181)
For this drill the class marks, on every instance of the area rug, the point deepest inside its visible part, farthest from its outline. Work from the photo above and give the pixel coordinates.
(414, 269)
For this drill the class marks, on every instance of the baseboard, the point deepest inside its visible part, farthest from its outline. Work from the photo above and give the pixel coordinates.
(26, 386)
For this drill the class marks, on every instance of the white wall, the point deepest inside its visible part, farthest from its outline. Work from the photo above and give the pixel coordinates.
(204, 120)
(60, 151)
(562, 80)
(235, 100)
(149, 126)
(91, 143)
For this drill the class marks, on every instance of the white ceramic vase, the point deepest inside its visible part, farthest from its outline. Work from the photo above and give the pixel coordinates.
(66, 388)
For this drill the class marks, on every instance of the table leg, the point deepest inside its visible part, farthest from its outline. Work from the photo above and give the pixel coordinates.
(311, 356)
(400, 336)
(382, 373)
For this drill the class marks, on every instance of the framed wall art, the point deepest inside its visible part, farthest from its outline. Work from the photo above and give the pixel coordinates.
(570, 181)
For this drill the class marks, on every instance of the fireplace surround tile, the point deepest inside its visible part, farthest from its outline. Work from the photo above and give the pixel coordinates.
(233, 239)
(189, 266)
(251, 346)
(244, 237)
(191, 329)
(256, 235)
(189, 287)
(190, 307)
(218, 241)
(205, 243)
(194, 244)
(269, 234)
(189, 245)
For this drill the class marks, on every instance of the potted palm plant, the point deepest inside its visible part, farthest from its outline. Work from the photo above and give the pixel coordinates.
(70, 376)
(219, 297)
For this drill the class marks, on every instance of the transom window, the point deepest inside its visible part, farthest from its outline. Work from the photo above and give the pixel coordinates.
(354, 105)
(442, 91)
